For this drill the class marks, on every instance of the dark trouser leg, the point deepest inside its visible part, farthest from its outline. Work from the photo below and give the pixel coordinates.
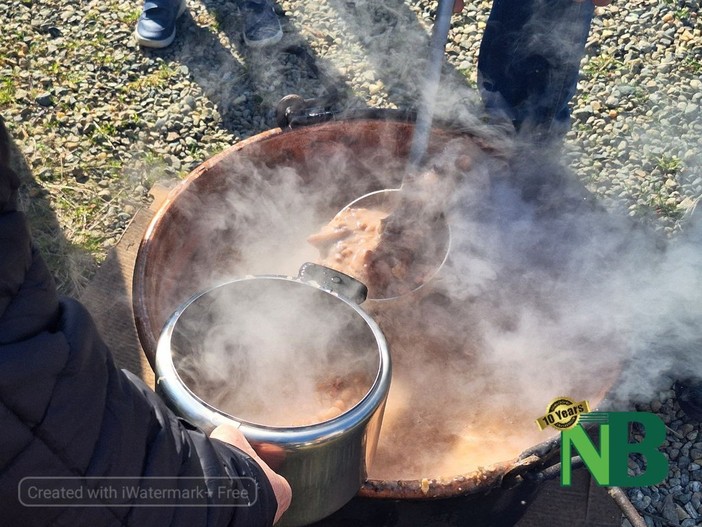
(529, 61)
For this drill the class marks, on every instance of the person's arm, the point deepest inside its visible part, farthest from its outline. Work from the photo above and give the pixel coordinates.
(67, 412)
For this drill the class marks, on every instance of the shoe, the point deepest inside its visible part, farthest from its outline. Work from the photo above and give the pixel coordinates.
(156, 25)
(261, 25)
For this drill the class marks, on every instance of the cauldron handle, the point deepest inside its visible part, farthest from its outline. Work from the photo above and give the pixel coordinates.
(553, 471)
(518, 473)
(532, 469)
(334, 281)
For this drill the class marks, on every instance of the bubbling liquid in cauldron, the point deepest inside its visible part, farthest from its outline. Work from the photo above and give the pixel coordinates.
(455, 402)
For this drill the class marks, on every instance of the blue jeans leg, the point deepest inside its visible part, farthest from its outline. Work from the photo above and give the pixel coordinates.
(529, 61)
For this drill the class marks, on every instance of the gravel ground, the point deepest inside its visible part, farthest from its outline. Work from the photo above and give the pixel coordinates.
(98, 121)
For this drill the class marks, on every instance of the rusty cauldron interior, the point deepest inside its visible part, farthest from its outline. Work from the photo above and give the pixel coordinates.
(204, 234)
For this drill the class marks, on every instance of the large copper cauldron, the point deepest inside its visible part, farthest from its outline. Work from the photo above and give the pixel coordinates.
(183, 252)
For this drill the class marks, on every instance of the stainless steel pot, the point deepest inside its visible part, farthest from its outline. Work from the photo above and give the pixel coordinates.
(324, 462)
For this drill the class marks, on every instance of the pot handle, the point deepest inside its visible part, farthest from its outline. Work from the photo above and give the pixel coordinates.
(334, 281)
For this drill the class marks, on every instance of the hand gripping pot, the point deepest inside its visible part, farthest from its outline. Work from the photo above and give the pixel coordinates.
(296, 365)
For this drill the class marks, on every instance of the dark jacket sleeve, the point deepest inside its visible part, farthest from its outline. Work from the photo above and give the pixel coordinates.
(67, 413)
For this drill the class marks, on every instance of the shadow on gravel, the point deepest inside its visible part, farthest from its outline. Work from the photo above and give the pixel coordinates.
(245, 84)
(290, 67)
(246, 93)
(71, 265)
(107, 296)
(397, 46)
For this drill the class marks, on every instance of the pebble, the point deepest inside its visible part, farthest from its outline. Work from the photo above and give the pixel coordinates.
(45, 99)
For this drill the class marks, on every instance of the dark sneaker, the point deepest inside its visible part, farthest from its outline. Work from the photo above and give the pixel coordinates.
(261, 24)
(156, 25)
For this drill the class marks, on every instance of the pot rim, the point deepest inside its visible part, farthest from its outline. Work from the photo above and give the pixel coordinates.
(168, 379)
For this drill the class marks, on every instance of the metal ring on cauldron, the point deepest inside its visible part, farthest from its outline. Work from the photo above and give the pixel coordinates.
(165, 254)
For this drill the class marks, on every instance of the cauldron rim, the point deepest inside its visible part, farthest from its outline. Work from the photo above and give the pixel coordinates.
(495, 475)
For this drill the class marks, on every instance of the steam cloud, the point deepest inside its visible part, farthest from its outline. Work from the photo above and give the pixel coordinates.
(266, 351)
(545, 292)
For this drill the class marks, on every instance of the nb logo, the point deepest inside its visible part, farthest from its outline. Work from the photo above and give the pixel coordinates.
(609, 465)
